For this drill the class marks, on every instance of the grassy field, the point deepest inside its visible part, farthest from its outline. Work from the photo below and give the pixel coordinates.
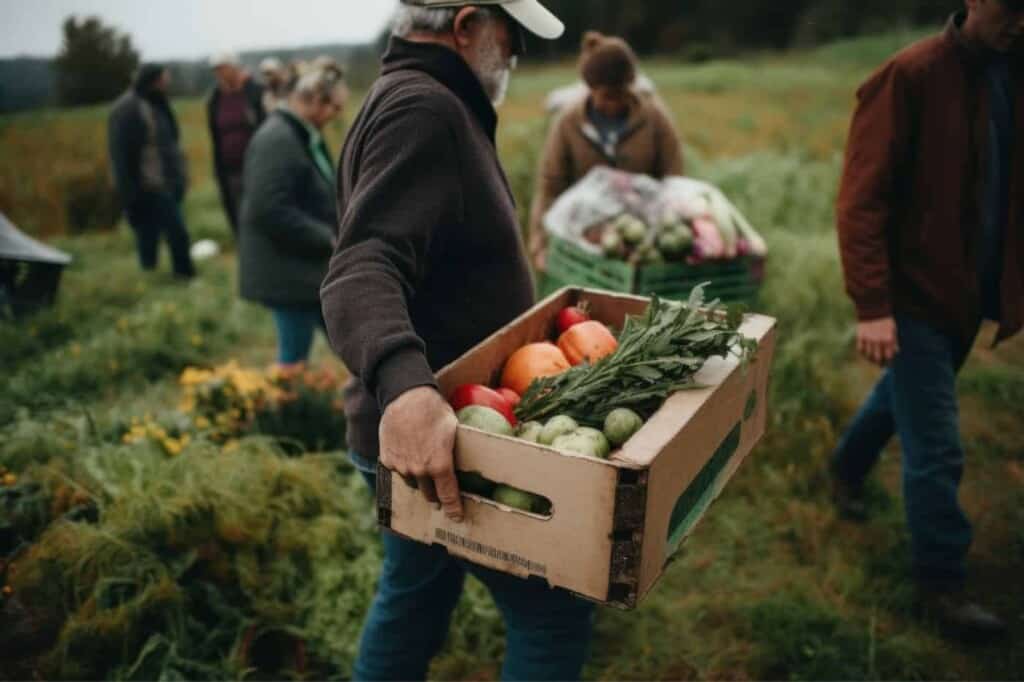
(144, 561)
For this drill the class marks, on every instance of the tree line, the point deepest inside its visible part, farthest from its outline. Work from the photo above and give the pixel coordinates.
(715, 28)
(96, 62)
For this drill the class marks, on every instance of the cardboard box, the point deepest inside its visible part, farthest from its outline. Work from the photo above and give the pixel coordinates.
(615, 524)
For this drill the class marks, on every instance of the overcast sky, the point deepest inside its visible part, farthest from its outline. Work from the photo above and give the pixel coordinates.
(164, 29)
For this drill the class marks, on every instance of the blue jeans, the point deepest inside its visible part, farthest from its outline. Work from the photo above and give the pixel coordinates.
(156, 215)
(548, 630)
(296, 326)
(916, 398)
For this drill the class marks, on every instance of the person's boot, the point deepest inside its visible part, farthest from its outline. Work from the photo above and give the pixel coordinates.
(961, 617)
(850, 499)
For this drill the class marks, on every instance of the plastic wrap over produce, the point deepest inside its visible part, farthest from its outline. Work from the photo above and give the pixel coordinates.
(601, 196)
(641, 220)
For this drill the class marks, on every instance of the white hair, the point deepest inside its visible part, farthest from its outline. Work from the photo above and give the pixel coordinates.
(225, 59)
(271, 64)
(321, 81)
(410, 19)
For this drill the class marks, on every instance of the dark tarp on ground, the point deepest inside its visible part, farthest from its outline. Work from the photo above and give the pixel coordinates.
(29, 270)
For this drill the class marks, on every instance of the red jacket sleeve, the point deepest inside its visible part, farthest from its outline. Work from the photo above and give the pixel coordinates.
(876, 155)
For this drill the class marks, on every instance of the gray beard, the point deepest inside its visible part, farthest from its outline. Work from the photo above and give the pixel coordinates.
(493, 72)
(496, 86)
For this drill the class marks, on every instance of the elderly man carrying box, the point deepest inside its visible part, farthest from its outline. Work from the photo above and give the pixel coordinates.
(430, 262)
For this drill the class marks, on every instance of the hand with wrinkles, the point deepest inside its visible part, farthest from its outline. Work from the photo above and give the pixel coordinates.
(417, 441)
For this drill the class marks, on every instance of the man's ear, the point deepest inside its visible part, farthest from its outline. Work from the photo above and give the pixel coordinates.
(465, 23)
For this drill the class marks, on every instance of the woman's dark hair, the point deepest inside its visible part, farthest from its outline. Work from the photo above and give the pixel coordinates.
(607, 61)
(147, 76)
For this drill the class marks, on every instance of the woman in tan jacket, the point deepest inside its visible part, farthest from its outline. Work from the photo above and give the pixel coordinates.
(613, 126)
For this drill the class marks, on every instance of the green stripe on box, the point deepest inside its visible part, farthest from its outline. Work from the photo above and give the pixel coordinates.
(701, 492)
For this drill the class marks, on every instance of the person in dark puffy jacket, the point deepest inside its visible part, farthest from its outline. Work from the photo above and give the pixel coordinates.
(150, 168)
(288, 220)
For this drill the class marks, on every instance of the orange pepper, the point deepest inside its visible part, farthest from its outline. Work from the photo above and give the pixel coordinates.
(587, 342)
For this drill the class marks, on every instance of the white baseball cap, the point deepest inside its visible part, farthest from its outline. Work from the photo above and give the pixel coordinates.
(530, 14)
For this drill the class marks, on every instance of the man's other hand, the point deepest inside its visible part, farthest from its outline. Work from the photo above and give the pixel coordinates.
(877, 340)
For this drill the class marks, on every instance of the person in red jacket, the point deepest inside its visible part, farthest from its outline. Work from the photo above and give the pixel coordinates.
(931, 232)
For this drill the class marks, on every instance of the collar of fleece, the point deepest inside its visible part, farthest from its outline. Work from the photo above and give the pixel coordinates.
(448, 68)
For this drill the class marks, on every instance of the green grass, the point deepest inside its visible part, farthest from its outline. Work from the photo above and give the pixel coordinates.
(188, 553)
(869, 52)
(999, 387)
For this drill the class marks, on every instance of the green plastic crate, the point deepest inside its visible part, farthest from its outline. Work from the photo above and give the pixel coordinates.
(735, 281)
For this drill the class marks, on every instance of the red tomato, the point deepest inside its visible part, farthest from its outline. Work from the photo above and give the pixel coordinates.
(476, 394)
(569, 318)
(511, 396)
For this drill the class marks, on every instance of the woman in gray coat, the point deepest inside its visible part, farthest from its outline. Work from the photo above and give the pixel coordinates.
(288, 220)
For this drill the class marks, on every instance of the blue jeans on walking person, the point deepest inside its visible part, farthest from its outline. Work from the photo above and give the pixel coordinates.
(296, 326)
(916, 399)
(548, 630)
(156, 215)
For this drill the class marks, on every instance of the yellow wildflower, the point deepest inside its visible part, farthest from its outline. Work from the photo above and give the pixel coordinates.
(193, 376)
